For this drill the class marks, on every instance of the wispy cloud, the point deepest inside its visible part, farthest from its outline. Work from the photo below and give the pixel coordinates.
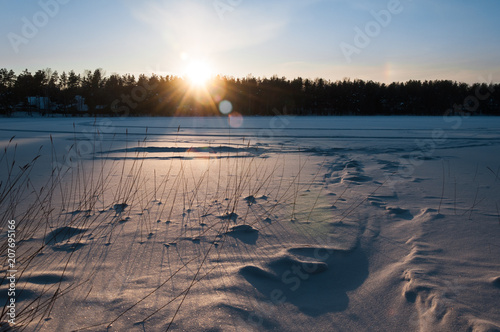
(191, 26)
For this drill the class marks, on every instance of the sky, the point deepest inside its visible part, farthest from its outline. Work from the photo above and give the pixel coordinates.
(380, 40)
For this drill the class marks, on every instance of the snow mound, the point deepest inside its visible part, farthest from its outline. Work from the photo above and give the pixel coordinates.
(244, 233)
(293, 280)
(62, 234)
(120, 208)
(229, 216)
(242, 229)
(250, 199)
(46, 279)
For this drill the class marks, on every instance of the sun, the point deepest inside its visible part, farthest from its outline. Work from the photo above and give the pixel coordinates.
(198, 73)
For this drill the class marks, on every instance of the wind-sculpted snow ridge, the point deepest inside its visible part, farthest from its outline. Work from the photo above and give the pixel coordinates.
(315, 286)
(440, 285)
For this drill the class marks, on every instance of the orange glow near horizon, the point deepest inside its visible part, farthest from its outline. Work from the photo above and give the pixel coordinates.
(203, 93)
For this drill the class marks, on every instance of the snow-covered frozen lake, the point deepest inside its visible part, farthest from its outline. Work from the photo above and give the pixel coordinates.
(253, 223)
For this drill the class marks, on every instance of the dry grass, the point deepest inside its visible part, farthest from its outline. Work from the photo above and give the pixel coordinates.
(81, 195)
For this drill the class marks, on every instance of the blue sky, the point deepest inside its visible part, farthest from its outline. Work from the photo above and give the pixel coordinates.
(455, 40)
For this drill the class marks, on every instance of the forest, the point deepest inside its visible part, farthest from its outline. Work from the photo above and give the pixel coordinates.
(93, 93)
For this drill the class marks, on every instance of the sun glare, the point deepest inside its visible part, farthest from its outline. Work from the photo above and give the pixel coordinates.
(198, 73)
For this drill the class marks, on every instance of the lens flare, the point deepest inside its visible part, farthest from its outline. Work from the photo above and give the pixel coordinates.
(225, 107)
(235, 120)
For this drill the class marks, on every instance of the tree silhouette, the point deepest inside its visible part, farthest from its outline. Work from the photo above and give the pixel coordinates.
(126, 95)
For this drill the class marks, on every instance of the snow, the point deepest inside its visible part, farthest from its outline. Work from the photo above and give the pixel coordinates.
(278, 223)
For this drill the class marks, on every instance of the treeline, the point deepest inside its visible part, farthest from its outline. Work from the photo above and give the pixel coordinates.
(93, 93)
